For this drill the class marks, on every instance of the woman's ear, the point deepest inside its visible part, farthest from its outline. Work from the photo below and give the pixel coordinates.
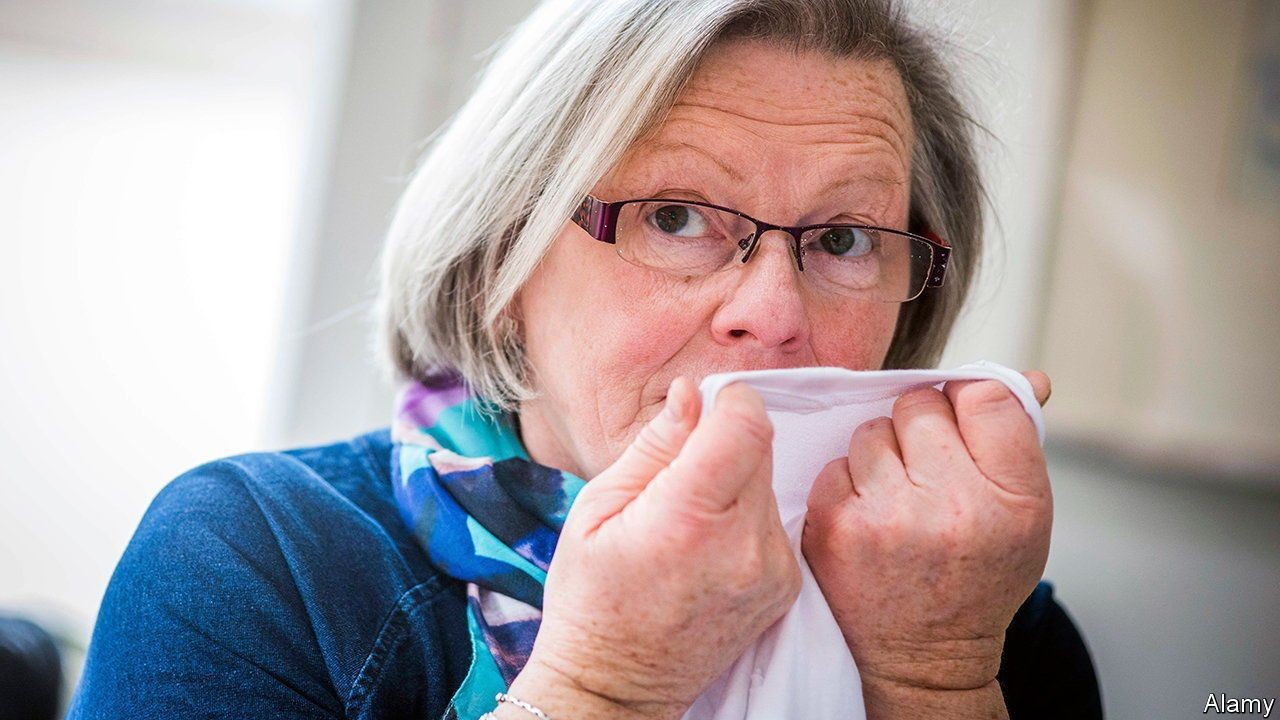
(916, 224)
(931, 235)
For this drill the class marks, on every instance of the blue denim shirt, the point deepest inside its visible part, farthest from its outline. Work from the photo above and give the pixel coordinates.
(285, 585)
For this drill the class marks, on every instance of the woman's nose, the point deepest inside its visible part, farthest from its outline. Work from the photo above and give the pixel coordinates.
(765, 306)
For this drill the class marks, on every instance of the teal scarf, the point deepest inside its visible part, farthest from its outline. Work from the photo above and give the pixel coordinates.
(487, 515)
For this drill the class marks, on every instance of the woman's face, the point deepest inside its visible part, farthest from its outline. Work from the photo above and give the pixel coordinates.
(788, 138)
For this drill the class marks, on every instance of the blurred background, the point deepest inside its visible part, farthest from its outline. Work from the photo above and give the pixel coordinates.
(193, 193)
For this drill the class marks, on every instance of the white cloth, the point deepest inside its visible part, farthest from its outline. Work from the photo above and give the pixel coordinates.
(800, 667)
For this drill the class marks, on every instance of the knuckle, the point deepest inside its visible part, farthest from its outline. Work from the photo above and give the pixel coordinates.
(836, 469)
(984, 397)
(653, 444)
(683, 530)
(836, 540)
(739, 395)
(959, 508)
(1039, 522)
(872, 425)
(750, 569)
(751, 421)
(1040, 380)
(924, 396)
(833, 482)
(888, 525)
(871, 435)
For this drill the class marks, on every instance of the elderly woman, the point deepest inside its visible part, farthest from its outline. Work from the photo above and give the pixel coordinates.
(639, 194)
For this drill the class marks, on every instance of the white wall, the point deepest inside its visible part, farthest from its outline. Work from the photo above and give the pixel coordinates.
(1169, 252)
(411, 65)
(153, 155)
(1016, 59)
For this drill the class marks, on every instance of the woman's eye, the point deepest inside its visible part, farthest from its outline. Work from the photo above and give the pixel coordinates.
(679, 220)
(846, 242)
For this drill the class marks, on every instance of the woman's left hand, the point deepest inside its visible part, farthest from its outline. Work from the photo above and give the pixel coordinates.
(927, 538)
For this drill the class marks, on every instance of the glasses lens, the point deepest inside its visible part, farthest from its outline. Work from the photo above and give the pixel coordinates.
(680, 237)
(868, 263)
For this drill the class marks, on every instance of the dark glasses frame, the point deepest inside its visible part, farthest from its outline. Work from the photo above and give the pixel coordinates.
(600, 218)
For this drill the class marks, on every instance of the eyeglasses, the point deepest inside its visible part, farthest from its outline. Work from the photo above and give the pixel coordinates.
(694, 238)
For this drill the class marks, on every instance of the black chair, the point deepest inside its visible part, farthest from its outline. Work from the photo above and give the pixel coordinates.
(30, 671)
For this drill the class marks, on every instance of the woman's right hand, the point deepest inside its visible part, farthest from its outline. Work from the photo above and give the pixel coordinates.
(670, 564)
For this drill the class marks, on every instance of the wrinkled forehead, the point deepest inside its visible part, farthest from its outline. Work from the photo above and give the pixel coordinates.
(760, 121)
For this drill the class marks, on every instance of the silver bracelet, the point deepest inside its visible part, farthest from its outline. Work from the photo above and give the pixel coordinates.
(503, 697)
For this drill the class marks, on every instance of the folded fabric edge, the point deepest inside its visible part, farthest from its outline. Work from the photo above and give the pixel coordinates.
(776, 386)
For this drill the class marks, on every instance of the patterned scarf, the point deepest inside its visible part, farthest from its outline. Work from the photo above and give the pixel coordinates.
(486, 514)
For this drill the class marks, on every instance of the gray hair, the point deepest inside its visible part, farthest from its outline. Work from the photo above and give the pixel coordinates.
(570, 90)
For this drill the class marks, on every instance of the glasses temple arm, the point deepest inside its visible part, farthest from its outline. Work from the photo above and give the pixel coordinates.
(941, 254)
(596, 217)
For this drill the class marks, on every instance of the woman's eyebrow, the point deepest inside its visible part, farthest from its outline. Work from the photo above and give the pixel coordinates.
(873, 181)
(676, 146)
(878, 178)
